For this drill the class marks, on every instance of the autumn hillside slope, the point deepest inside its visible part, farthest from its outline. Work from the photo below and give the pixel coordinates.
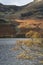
(22, 21)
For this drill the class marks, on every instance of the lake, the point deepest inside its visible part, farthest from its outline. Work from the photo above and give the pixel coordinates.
(8, 57)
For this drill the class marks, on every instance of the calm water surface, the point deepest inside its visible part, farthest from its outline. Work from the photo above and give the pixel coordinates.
(8, 57)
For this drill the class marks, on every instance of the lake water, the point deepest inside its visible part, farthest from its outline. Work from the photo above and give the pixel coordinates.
(8, 57)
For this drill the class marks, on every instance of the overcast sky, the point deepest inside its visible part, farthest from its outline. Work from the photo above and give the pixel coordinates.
(15, 2)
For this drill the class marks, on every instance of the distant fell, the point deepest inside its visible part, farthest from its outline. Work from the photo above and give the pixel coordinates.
(31, 10)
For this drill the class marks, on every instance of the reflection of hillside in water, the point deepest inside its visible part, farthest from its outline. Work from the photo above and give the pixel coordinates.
(21, 52)
(29, 50)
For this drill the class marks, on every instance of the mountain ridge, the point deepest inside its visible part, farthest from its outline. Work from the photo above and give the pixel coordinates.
(30, 10)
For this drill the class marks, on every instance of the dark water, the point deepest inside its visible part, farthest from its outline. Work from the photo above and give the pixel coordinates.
(8, 57)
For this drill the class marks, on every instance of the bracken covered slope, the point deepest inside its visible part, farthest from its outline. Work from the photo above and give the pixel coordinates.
(21, 20)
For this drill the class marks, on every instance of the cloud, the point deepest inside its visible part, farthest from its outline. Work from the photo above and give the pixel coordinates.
(15, 2)
(20, 2)
(5, 1)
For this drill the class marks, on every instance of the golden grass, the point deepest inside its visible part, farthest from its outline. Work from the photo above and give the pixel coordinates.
(31, 22)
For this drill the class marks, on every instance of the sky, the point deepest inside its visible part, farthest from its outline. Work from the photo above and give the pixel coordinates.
(15, 2)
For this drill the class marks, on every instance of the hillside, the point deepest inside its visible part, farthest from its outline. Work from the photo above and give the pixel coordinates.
(22, 19)
(9, 8)
(33, 10)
